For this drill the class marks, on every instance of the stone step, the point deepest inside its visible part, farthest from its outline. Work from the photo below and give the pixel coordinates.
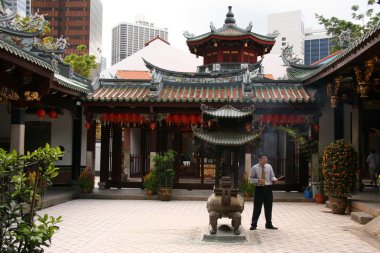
(361, 217)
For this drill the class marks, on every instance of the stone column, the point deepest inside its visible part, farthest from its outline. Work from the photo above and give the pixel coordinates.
(153, 146)
(17, 140)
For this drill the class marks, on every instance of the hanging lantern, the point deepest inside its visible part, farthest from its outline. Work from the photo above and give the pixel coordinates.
(41, 113)
(316, 127)
(153, 125)
(134, 118)
(88, 125)
(177, 119)
(113, 117)
(193, 119)
(126, 117)
(185, 119)
(53, 114)
(119, 117)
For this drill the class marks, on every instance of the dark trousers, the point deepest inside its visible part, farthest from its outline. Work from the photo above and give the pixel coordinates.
(263, 195)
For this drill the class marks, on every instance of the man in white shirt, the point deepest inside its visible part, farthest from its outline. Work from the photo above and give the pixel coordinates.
(262, 176)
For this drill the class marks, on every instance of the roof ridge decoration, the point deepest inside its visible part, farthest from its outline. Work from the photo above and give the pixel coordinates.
(228, 111)
(230, 20)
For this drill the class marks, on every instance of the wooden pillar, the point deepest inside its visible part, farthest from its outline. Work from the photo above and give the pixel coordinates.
(338, 121)
(217, 166)
(91, 144)
(17, 140)
(356, 130)
(104, 153)
(235, 168)
(116, 155)
(76, 142)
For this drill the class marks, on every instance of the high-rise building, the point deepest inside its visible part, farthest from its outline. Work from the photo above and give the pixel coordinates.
(103, 63)
(290, 26)
(28, 7)
(128, 38)
(80, 21)
(317, 45)
(19, 6)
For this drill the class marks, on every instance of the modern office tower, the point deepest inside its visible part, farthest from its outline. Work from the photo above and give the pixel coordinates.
(80, 21)
(290, 26)
(317, 45)
(128, 38)
(19, 6)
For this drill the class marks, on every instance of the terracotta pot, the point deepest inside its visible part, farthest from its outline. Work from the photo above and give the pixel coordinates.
(165, 193)
(338, 205)
(84, 190)
(247, 194)
(149, 192)
(319, 198)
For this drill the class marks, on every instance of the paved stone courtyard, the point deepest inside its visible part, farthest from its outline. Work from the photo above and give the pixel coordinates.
(176, 226)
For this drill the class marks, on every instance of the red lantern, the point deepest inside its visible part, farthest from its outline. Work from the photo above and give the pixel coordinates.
(53, 114)
(177, 118)
(88, 125)
(153, 125)
(126, 117)
(193, 119)
(119, 117)
(113, 117)
(169, 119)
(134, 118)
(316, 128)
(185, 119)
(41, 113)
(106, 117)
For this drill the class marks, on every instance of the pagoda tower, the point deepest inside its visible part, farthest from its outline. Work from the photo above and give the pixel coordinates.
(229, 47)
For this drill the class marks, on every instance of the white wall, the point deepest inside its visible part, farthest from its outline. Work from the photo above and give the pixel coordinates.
(290, 26)
(62, 135)
(135, 140)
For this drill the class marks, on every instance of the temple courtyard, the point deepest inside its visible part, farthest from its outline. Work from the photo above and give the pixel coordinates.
(176, 226)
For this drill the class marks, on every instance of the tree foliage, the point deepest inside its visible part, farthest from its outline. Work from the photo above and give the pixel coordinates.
(22, 182)
(363, 20)
(82, 63)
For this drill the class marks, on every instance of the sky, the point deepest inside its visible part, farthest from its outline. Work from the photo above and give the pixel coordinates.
(195, 15)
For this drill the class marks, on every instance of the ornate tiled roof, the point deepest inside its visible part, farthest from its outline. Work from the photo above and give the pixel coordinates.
(72, 84)
(227, 111)
(42, 62)
(133, 75)
(225, 137)
(302, 72)
(173, 92)
(281, 93)
(131, 92)
(203, 92)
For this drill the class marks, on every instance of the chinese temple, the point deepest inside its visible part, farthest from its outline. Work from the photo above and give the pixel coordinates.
(39, 94)
(348, 84)
(140, 115)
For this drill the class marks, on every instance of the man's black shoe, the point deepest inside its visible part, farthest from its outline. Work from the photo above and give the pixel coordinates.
(253, 228)
(270, 227)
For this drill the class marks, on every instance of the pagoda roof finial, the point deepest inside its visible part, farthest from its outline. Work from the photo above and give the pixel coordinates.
(230, 20)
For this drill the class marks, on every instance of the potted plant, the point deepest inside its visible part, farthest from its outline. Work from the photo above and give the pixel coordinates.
(151, 182)
(320, 197)
(164, 168)
(246, 187)
(86, 180)
(339, 167)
